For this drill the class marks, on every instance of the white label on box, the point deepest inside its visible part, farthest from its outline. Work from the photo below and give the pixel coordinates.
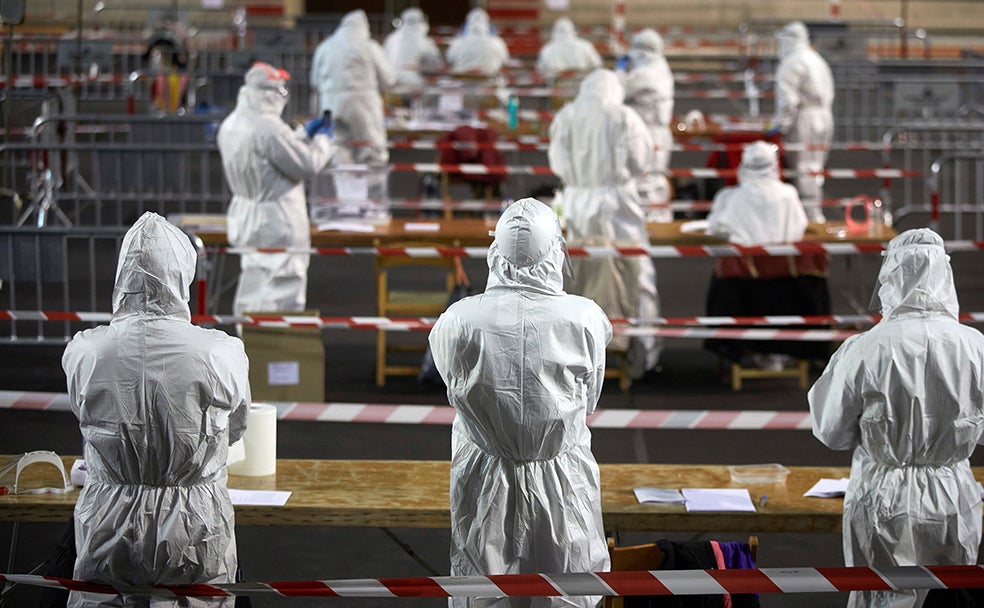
(558, 5)
(283, 373)
(352, 188)
(450, 104)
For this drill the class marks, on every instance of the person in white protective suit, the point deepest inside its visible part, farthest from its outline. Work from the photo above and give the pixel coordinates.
(804, 115)
(478, 49)
(566, 52)
(761, 209)
(598, 148)
(349, 70)
(266, 164)
(159, 401)
(649, 91)
(524, 364)
(409, 50)
(908, 397)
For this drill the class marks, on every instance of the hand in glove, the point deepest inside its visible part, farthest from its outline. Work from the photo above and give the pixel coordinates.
(314, 125)
(622, 63)
(326, 128)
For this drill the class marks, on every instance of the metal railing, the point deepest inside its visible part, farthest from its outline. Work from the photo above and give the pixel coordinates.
(956, 200)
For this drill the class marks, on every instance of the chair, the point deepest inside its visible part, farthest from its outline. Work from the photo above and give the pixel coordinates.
(645, 557)
(619, 368)
(408, 303)
(801, 371)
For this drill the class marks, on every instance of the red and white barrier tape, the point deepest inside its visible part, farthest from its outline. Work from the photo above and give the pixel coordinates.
(550, 91)
(658, 251)
(697, 172)
(494, 205)
(534, 143)
(442, 415)
(425, 324)
(653, 582)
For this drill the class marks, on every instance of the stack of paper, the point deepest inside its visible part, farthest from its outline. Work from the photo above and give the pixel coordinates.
(828, 488)
(273, 498)
(658, 495)
(717, 499)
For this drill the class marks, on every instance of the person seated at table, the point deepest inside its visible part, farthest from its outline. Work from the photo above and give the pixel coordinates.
(159, 401)
(410, 50)
(598, 148)
(477, 50)
(649, 91)
(566, 52)
(906, 396)
(524, 363)
(763, 210)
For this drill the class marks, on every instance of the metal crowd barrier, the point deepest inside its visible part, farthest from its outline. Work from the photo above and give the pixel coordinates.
(956, 204)
(69, 268)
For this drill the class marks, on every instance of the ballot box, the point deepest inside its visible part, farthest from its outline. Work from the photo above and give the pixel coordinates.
(350, 192)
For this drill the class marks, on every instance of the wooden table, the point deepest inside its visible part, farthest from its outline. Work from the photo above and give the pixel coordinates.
(414, 494)
(474, 232)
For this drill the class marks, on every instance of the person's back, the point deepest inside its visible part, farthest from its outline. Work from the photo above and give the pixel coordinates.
(409, 50)
(907, 397)
(524, 364)
(349, 61)
(566, 52)
(477, 50)
(158, 401)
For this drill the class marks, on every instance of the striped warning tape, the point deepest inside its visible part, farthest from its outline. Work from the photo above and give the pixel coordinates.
(425, 323)
(695, 172)
(652, 582)
(466, 90)
(442, 415)
(535, 143)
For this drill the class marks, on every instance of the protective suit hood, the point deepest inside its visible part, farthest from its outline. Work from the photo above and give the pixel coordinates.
(478, 27)
(529, 248)
(563, 29)
(916, 277)
(356, 24)
(156, 266)
(601, 87)
(264, 89)
(793, 37)
(647, 46)
(413, 19)
(759, 161)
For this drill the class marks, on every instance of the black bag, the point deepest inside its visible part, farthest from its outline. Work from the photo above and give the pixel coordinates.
(428, 371)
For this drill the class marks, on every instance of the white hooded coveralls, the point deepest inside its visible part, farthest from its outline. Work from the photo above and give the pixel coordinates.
(598, 148)
(524, 364)
(409, 50)
(158, 400)
(908, 397)
(761, 209)
(566, 52)
(477, 49)
(804, 115)
(266, 164)
(649, 90)
(349, 69)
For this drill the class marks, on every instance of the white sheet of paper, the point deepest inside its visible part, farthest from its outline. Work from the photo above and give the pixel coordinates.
(658, 495)
(351, 188)
(450, 103)
(273, 498)
(828, 488)
(283, 373)
(558, 5)
(694, 226)
(421, 227)
(717, 499)
(346, 227)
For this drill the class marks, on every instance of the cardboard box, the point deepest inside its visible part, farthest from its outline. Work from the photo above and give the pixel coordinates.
(285, 363)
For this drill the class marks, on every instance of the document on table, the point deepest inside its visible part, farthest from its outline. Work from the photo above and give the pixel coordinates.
(421, 226)
(346, 227)
(717, 499)
(658, 495)
(828, 488)
(272, 498)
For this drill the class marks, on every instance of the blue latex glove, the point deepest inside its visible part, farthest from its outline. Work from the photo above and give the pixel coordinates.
(312, 126)
(622, 63)
(772, 131)
(326, 128)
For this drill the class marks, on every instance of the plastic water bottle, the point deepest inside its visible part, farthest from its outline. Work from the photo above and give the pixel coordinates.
(512, 107)
(880, 217)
